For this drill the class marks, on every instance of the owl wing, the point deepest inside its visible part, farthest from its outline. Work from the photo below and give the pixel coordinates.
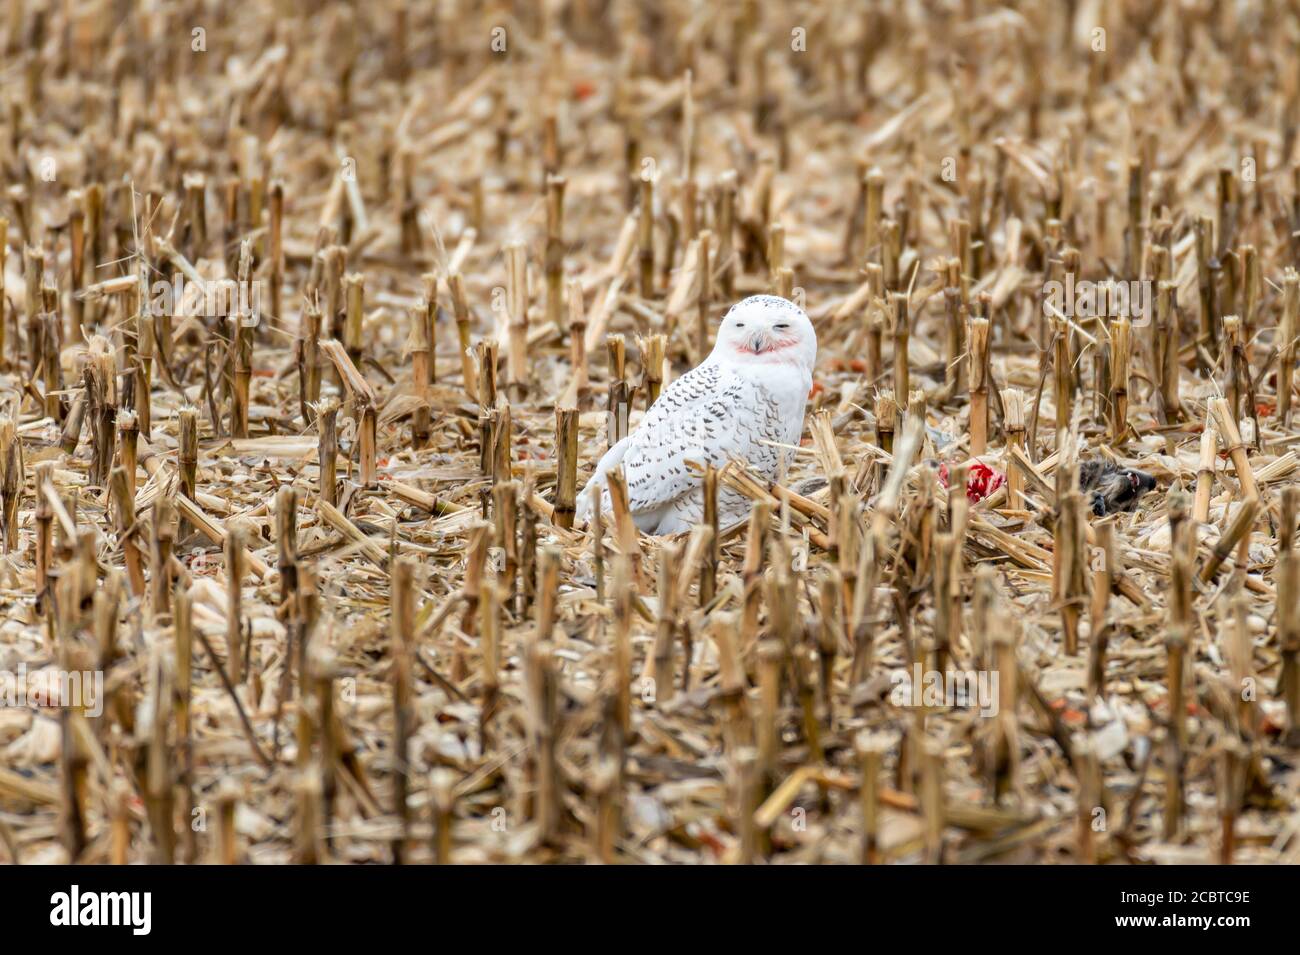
(708, 415)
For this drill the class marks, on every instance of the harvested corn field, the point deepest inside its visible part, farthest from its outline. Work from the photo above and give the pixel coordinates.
(316, 319)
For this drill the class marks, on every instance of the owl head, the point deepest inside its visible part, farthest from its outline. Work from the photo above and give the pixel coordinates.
(767, 329)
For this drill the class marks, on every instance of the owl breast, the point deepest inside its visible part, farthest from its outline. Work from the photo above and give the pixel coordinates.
(747, 420)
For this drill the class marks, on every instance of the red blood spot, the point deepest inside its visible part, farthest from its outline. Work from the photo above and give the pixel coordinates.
(582, 89)
(981, 480)
(816, 389)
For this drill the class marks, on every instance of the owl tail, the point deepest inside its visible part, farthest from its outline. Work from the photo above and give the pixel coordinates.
(611, 459)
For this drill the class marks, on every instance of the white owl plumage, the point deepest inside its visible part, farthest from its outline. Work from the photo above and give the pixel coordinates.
(751, 389)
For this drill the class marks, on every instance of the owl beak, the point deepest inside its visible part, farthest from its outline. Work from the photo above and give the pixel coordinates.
(758, 342)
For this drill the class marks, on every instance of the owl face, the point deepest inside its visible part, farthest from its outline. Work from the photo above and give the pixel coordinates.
(769, 330)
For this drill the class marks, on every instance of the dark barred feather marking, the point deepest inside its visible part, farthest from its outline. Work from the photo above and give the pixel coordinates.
(709, 415)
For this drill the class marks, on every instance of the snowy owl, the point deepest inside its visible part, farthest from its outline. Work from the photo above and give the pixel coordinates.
(751, 389)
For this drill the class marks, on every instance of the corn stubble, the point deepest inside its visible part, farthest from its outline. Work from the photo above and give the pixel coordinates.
(323, 549)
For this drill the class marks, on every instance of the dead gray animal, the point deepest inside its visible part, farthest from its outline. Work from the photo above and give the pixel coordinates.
(1112, 489)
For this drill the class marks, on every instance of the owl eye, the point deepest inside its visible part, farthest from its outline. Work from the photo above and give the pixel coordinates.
(780, 328)
(740, 324)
